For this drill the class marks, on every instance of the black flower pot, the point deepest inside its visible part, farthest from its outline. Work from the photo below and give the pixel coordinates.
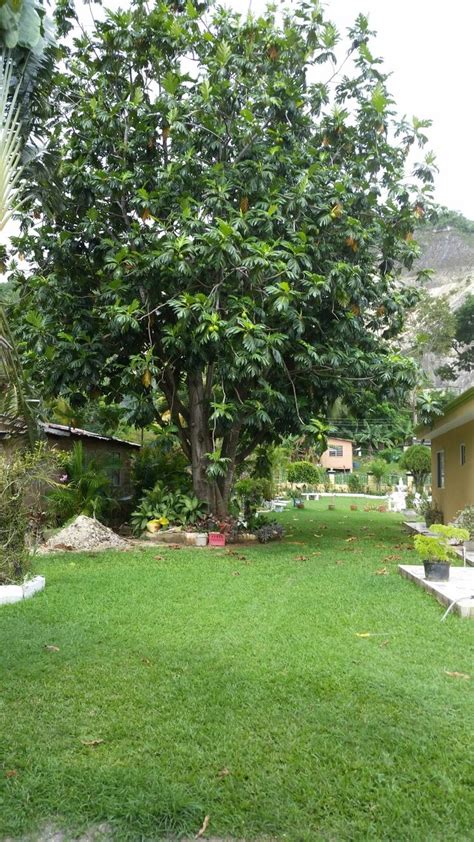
(436, 571)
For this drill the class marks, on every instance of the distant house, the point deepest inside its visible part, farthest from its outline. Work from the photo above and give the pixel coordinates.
(117, 452)
(338, 456)
(452, 455)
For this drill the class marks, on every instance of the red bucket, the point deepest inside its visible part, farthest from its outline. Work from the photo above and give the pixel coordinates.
(216, 539)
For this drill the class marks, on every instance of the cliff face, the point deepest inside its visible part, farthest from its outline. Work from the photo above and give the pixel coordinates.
(449, 252)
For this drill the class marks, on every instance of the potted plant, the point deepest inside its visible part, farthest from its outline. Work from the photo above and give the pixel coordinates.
(436, 552)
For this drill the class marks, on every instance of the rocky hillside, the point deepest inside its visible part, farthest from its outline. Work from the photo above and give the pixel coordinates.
(449, 252)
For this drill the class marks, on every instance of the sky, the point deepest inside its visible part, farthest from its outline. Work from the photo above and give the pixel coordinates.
(427, 46)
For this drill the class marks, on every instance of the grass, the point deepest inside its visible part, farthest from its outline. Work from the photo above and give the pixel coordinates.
(236, 686)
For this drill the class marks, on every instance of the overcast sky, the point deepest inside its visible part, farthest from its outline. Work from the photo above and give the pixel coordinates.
(428, 46)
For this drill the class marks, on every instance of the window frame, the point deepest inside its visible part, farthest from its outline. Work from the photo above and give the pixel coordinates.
(440, 469)
(462, 454)
(334, 447)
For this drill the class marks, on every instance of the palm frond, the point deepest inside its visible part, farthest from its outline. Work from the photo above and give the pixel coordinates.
(10, 141)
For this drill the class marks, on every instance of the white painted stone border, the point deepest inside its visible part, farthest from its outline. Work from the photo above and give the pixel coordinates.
(15, 593)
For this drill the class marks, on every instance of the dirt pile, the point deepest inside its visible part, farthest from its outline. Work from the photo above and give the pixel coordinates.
(84, 533)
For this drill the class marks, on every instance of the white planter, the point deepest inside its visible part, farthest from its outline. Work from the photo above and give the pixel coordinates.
(201, 539)
(15, 593)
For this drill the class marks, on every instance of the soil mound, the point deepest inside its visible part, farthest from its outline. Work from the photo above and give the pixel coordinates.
(84, 533)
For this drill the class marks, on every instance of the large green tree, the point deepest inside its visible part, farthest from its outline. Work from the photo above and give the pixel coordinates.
(226, 241)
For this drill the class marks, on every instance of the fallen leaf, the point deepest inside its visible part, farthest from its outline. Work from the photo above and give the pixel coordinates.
(296, 543)
(51, 648)
(223, 773)
(381, 572)
(204, 827)
(301, 558)
(363, 634)
(242, 558)
(392, 558)
(340, 561)
(146, 661)
(236, 573)
(11, 773)
(384, 643)
(352, 538)
(158, 557)
(458, 674)
(92, 743)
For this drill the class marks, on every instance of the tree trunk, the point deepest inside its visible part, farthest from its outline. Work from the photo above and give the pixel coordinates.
(214, 492)
(205, 489)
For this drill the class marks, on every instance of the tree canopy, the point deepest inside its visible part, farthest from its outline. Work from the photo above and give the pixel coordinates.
(417, 460)
(219, 243)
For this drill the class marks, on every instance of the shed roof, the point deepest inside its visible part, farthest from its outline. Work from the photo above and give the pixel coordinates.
(63, 431)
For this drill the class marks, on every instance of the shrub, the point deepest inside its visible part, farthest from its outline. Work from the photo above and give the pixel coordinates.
(21, 506)
(155, 464)
(417, 460)
(270, 532)
(452, 533)
(465, 519)
(304, 472)
(379, 469)
(429, 512)
(86, 489)
(354, 482)
(161, 504)
(252, 492)
(437, 547)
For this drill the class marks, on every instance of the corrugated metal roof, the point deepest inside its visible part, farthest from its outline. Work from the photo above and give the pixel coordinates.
(62, 430)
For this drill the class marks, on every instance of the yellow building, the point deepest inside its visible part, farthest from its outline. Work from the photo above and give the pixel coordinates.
(452, 456)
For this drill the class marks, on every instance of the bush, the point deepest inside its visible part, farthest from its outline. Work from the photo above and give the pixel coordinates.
(155, 464)
(161, 504)
(379, 469)
(270, 532)
(252, 492)
(430, 512)
(465, 519)
(304, 472)
(86, 489)
(355, 484)
(417, 460)
(21, 506)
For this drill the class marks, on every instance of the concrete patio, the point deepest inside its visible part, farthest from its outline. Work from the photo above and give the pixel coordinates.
(459, 589)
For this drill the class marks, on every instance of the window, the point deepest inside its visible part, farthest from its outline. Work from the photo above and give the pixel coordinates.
(115, 475)
(336, 450)
(440, 469)
(462, 454)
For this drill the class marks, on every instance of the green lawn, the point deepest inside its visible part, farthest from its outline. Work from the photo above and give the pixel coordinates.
(236, 686)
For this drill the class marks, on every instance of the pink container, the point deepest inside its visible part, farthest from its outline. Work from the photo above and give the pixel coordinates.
(216, 539)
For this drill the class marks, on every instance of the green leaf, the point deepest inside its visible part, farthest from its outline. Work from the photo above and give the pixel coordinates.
(223, 53)
(379, 100)
(171, 82)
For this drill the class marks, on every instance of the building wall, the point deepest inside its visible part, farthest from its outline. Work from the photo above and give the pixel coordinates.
(338, 463)
(118, 455)
(458, 490)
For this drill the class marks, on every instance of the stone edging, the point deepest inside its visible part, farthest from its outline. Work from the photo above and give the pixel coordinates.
(15, 593)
